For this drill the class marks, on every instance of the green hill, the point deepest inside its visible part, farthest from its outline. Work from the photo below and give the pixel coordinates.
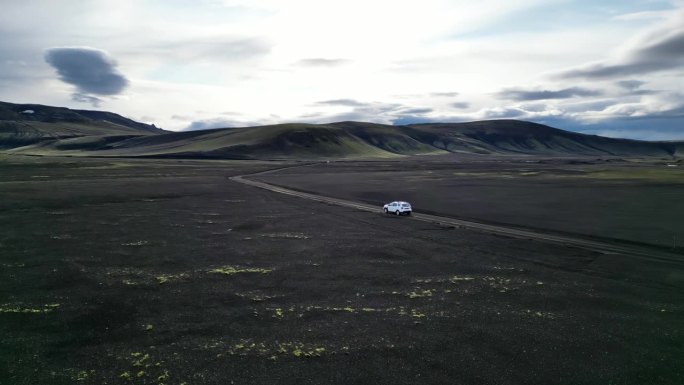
(277, 141)
(60, 131)
(26, 124)
(519, 137)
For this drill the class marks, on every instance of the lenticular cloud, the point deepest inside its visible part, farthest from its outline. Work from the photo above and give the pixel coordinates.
(91, 70)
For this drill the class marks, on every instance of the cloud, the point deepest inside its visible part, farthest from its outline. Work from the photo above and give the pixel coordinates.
(632, 88)
(93, 100)
(655, 54)
(444, 94)
(208, 49)
(527, 95)
(644, 92)
(591, 106)
(666, 125)
(658, 118)
(645, 15)
(374, 112)
(602, 71)
(649, 121)
(408, 119)
(342, 102)
(208, 124)
(504, 113)
(534, 107)
(417, 111)
(91, 70)
(460, 105)
(630, 84)
(237, 48)
(661, 134)
(321, 62)
(674, 112)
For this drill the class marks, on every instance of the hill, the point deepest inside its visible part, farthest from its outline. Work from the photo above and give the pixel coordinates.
(60, 131)
(26, 124)
(520, 137)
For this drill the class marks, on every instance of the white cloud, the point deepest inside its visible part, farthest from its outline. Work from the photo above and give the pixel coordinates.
(645, 15)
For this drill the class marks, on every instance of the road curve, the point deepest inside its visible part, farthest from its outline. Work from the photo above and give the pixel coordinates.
(603, 247)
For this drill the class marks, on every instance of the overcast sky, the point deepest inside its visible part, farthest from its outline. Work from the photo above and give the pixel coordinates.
(613, 68)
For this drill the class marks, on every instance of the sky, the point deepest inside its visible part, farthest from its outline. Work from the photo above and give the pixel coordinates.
(612, 68)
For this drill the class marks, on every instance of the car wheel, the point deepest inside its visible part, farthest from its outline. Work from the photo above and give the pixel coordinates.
(397, 212)
(385, 211)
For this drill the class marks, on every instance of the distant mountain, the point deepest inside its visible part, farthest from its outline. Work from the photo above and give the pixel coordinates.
(90, 133)
(520, 137)
(26, 124)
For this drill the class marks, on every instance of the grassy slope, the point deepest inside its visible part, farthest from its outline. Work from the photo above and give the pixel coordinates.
(47, 124)
(349, 140)
(511, 136)
(282, 141)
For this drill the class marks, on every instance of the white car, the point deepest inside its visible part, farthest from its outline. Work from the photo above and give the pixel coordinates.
(397, 208)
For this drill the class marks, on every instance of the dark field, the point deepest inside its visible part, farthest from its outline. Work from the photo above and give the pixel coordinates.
(165, 272)
(634, 201)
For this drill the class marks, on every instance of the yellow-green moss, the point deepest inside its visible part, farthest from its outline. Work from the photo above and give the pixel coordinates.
(273, 351)
(165, 278)
(417, 314)
(84, 374)
(420, 293)
(165, 376)
(230, 270)
(142, 360)
(456, 278)
(9, 308)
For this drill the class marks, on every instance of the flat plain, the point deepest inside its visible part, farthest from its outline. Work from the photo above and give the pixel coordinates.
(142, 271)
(613, 199)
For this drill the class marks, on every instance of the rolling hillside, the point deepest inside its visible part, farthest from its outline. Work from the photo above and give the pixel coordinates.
(26, 124)
(519, 137)
(60, 131)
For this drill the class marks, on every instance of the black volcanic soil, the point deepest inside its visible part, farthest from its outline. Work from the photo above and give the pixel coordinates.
(615, 199)
(165, 272)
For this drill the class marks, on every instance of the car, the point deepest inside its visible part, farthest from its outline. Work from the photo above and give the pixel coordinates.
(397, 208)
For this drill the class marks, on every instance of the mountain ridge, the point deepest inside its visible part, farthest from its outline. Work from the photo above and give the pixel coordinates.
(61, 131)
(26, 124)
